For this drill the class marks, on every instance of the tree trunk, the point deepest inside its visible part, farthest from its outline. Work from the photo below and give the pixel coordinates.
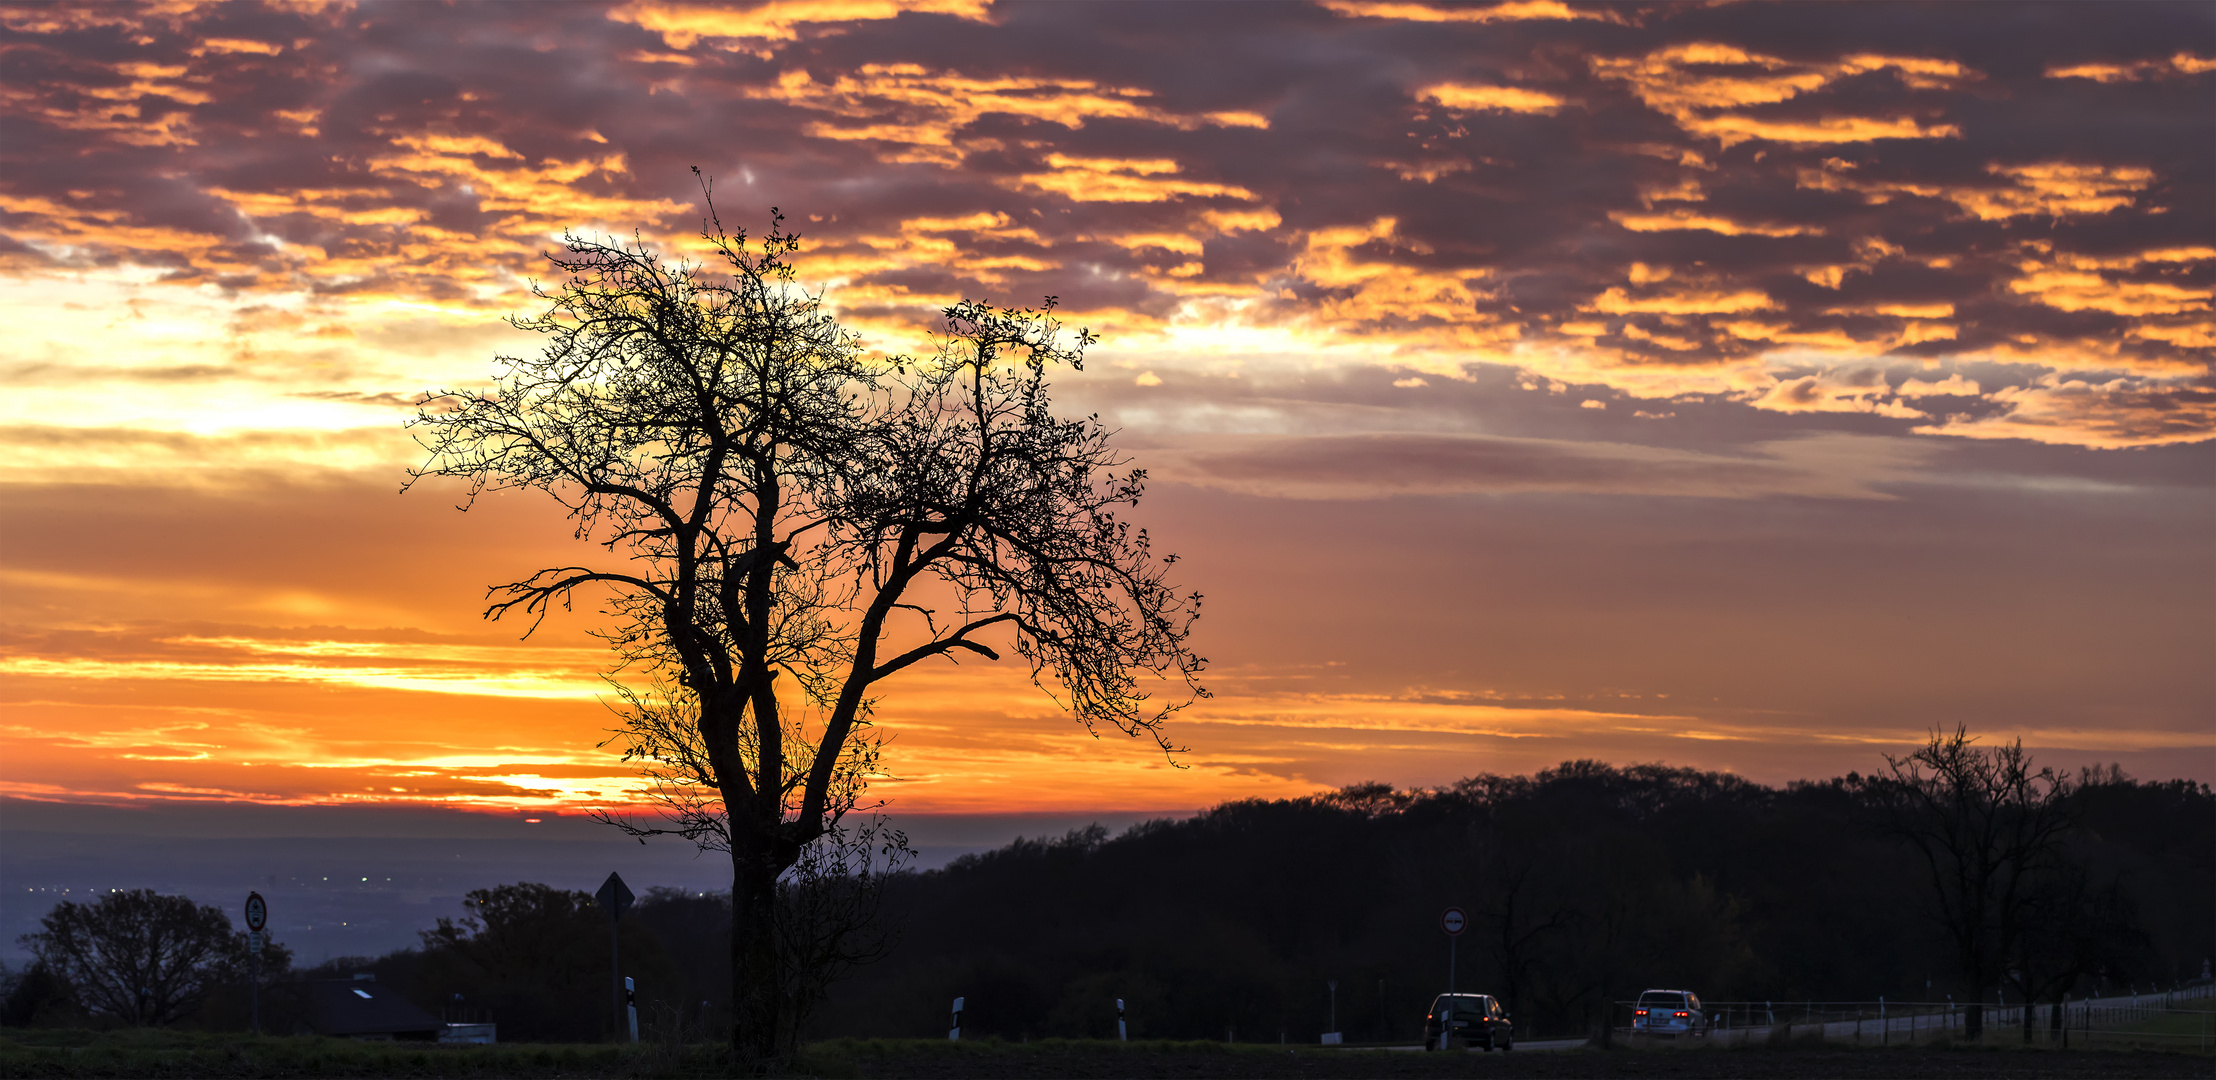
(1973, 1017)
(756, 993)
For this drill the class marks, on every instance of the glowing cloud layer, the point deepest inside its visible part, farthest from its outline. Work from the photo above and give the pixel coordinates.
(1379, 255)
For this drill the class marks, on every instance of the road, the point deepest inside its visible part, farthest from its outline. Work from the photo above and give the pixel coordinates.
(1924, 1020)
(1521, 1045)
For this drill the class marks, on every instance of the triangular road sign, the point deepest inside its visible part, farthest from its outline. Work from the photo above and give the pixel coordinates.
(614, 895)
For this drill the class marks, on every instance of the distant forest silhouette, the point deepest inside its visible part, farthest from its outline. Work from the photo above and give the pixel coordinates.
(1584, 884)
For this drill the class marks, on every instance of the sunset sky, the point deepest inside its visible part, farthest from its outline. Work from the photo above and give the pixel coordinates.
(1743, 386)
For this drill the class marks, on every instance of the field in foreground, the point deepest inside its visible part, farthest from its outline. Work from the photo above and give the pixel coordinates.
(180, 1054)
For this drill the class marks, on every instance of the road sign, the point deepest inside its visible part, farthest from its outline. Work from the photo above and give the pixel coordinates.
(257, 918)
(614, 895)
(1453, 922)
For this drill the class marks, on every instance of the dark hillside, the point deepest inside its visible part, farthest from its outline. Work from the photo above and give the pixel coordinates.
(1584, 884)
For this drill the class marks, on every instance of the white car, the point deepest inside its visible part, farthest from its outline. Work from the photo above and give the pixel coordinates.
(1669, 1012)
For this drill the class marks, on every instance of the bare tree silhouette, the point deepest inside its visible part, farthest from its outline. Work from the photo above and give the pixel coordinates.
(1988, 827)
(796, 522)
(144, 958)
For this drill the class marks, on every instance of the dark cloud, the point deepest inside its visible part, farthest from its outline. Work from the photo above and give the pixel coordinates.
(1371, 466)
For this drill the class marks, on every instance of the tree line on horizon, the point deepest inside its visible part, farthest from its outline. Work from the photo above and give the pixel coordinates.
(1583, 884)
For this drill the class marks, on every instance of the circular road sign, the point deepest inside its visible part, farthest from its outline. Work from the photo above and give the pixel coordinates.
(1453, 921)
(257, 911)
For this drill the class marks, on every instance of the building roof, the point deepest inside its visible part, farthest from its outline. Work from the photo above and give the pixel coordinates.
(361, 1007)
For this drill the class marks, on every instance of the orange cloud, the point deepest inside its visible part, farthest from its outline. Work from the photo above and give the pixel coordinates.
(1689, 301)
(1862, 390)
(1374, 293)
(236, 45)
(1730, 129)
(920, 109)
(1428, 172)
(740, 29)
(1119, 180)
(1830, 340)
(1183, 243)
(1241, 220)
(2072, 282)
(1684, 83)
(144, 110)
(1510, 11)
(477, 670)
(1940, 310)
(1503, 98)
(390, 238)
(1952, 386)
(2176, 66)
(2056, 188)
(1683, 218)
(2121, 412)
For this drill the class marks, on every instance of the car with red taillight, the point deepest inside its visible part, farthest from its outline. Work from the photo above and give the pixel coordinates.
(1467, 1020)
(1669, 1012)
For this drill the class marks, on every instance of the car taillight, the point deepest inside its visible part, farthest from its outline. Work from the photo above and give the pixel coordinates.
(1680, 1014)
(1642, 1012)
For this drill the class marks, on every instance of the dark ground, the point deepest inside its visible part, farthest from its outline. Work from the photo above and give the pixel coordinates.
(180, 1054)
(1205, 1060)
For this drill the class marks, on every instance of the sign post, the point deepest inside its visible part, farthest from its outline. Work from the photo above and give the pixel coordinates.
(954, 1031)
(1123, 1034)
(257, 917)
(615, 896)
(1453, 922)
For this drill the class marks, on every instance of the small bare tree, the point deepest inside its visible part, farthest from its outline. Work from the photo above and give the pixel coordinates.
(797, 523)
(1988, 826)
(830, 911)
(829, 901)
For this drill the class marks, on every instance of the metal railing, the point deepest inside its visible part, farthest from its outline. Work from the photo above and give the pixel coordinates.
(2179, 1018)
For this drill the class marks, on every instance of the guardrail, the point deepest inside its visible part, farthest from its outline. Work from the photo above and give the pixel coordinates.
(2180, 1018)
